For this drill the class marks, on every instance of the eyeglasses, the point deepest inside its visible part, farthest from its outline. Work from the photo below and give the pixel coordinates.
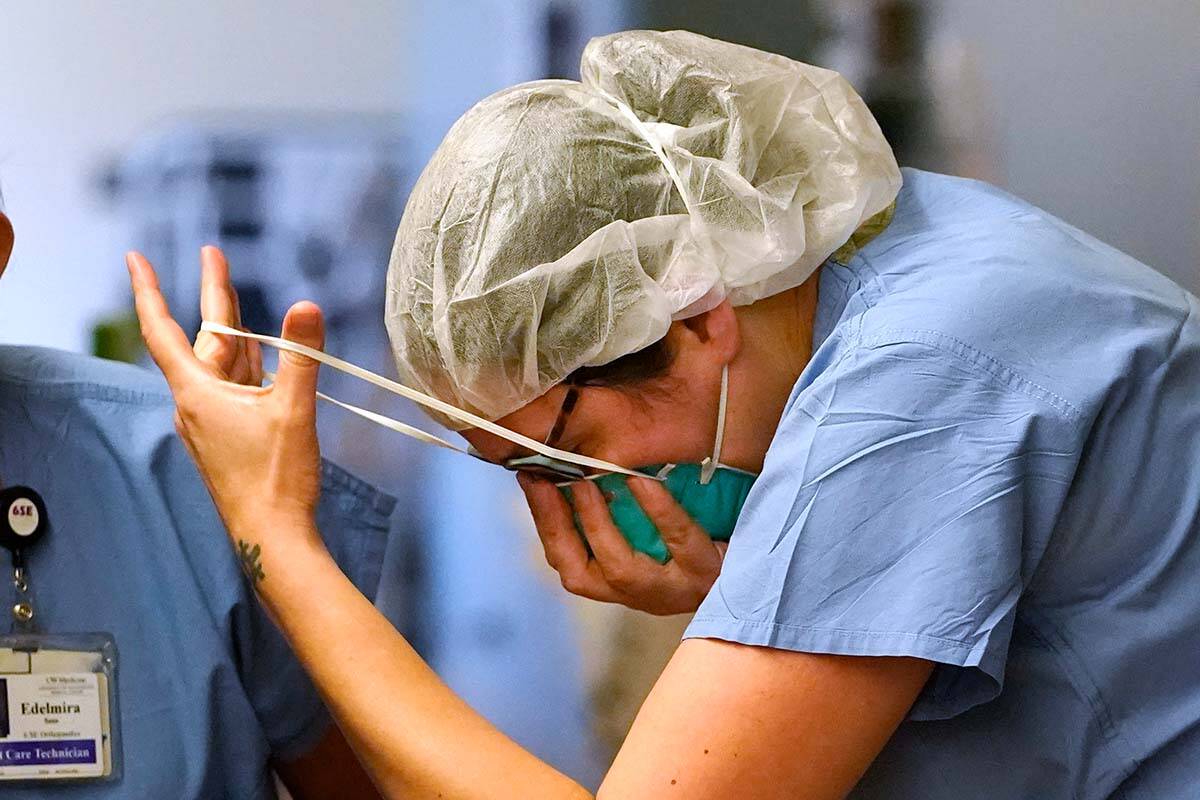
(564, 414)
(544, 466)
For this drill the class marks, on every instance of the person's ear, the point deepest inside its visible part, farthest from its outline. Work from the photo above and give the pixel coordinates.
(717, 332)
(6, 241)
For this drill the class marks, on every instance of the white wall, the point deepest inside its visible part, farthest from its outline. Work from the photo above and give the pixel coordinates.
(80, 80)
(1097, 108)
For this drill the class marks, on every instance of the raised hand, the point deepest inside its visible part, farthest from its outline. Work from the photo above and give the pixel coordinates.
(256, 448)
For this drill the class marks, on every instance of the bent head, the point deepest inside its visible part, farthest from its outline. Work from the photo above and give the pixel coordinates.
(654, 406)
(588, 251)
(661, 404)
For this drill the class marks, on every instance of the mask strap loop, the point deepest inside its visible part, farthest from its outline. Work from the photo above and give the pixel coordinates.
(387, 422)
(420, 399)
(708, 466)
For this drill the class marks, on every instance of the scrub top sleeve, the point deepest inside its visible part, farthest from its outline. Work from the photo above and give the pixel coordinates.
(898, 513)
(354, 519)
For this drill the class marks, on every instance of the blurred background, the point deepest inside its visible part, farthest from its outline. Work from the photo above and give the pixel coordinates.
(289, 134)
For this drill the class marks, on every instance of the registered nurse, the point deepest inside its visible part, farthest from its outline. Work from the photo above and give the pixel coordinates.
(957, 442)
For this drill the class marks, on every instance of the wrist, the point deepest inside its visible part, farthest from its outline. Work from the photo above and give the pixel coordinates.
(270, 524)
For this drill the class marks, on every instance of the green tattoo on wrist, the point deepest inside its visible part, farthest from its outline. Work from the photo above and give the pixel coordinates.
(251, 558)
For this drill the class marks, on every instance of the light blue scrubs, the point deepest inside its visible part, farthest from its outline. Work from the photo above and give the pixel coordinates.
(209, 691)
(992, 462)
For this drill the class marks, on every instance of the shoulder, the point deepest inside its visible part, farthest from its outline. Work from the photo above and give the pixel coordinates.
(922, 394)
(48, 374)
(913, 404)
(975, 271)
(46, 384)
(115, 417)
(947, 228)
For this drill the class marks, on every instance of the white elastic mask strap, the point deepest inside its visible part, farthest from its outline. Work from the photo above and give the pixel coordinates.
(420, 399)
(387, 422)
(709, 466)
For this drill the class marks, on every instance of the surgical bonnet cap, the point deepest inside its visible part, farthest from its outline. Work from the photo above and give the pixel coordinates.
(562, 224)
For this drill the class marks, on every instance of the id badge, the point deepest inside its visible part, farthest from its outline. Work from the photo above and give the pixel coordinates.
(58, 708)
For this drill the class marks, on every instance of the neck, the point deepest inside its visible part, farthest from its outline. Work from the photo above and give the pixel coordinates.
(776, 344)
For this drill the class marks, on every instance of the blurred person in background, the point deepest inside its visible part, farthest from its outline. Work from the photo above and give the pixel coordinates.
(210, 698)
(956, 437)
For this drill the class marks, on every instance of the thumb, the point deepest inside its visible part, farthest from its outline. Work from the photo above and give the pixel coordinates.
(297, 378)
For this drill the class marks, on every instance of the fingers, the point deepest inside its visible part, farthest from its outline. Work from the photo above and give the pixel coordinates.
(722, 548)
(233, 295)
(616, 573)
(297, 379)
(230, 356)
(254, 356)
(552, 516)
(623, 568)
(166, 341)
(216, 295)
(561, 542)
(690, 546)
(251, 350)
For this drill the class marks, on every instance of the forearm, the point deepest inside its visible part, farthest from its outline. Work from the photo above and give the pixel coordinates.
(412, 733)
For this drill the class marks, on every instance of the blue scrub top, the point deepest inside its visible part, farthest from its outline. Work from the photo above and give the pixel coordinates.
(992, 462)
(208, 689)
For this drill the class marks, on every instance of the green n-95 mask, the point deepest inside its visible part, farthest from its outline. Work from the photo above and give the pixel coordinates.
(711, 493)
(714, 506)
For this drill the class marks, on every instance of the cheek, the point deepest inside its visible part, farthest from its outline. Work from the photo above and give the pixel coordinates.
(637, 433)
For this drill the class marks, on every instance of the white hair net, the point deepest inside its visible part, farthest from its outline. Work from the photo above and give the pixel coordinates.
(562, 225)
